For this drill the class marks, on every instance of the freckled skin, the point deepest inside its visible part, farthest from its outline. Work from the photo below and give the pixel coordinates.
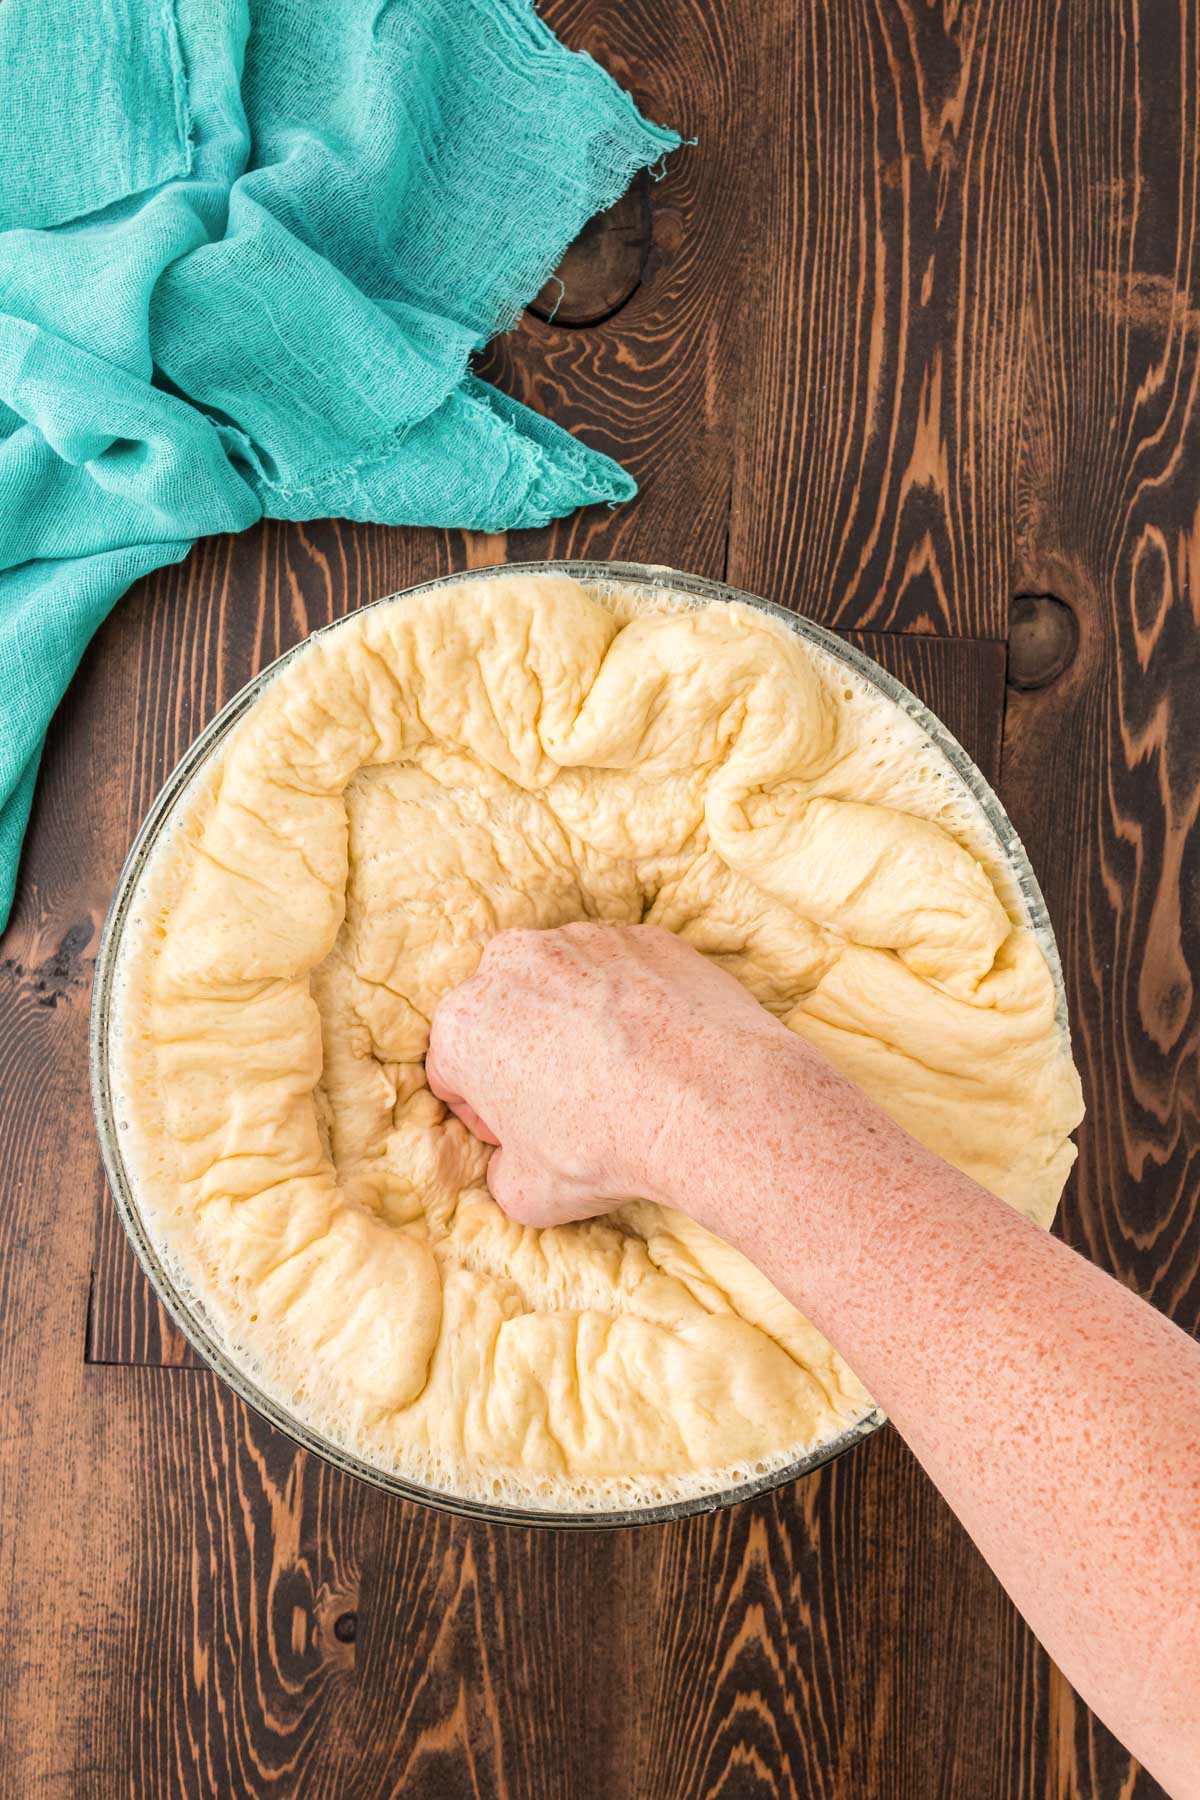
(1057, 1412)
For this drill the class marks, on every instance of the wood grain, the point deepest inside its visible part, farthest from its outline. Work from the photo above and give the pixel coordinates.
(1102, 766)
(886, 383)
(916, 330)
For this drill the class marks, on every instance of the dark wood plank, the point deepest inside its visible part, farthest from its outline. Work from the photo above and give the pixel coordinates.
(1101, 768)
(961, 680)
(880, 403)
(126, 1324)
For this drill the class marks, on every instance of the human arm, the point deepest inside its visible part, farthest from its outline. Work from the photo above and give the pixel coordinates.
(1057, 1412)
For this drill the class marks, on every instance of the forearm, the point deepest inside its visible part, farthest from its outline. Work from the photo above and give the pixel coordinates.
(1057, 1413)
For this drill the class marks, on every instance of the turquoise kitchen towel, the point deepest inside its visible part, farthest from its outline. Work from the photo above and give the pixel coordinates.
(246, 252)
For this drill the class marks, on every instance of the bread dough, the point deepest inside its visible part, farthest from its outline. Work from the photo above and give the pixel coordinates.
(524, 751)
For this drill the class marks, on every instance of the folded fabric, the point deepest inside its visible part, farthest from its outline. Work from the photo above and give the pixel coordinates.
(245, 255)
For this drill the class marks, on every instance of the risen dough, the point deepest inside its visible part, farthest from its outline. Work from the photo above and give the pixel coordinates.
(515, 752)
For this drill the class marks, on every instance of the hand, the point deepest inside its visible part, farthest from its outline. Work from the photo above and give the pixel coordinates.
(584, 1053)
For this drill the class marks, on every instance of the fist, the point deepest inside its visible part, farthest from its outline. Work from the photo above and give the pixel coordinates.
(586, 1054)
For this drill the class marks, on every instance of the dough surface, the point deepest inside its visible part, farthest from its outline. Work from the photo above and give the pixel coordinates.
(522, 751)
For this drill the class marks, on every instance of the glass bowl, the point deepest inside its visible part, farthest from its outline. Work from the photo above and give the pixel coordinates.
(187, 1311)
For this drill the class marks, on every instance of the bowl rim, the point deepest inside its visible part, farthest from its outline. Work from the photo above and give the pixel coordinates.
(189, 1316)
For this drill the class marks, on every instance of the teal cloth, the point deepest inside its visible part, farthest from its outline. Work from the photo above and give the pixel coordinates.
(245, 255)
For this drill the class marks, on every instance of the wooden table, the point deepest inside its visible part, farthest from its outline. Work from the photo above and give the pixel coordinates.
(908, 341)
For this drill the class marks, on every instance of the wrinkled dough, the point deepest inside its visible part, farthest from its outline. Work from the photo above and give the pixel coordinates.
(510, 753)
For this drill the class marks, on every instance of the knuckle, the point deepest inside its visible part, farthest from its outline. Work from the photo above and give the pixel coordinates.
(450, 1028)
(447, 1021)
(501, 1179)
(514, 943)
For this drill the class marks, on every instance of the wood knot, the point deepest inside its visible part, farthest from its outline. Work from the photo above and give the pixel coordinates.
(603, 268)
(345, 1627)
(59, 975)
(1043, 636)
